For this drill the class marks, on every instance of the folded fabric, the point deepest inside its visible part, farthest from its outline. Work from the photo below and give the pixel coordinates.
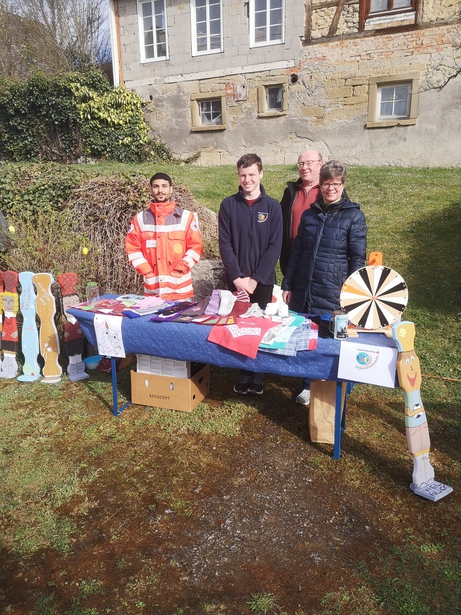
(243, 337)
(172, 313)
(304, 337)
(227, 302)
(213, 303)
(254, 311)
(279, 336)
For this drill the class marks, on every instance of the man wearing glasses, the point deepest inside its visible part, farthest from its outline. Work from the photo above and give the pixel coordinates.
(298, 197)
(329, 246)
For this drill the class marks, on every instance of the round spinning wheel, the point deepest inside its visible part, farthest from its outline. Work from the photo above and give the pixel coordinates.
(374, 297)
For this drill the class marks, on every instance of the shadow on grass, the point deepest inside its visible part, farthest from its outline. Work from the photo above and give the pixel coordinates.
(436, 259)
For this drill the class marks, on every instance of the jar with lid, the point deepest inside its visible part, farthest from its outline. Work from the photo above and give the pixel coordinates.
(92, 292)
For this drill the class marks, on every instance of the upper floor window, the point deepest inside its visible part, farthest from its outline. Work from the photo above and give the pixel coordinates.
(266, 22)
(379, 6)
(381, 12)
(152, 26)
(206, 26)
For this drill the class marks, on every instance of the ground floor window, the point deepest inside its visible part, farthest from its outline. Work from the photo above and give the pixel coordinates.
(393, 100)
(208, 112)
(272, 99)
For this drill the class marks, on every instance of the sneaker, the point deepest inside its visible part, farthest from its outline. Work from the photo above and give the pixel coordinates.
(256, 384)
(304, 398)
(243, 384)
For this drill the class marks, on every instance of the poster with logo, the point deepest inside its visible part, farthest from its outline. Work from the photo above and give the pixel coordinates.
(368, 364)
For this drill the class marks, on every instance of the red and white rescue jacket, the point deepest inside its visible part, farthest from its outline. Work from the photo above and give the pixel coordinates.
(163, 244)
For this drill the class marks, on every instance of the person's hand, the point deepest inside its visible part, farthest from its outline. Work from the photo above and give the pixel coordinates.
(287, 296)
(243, 284)
(182, 267)
(252, 284)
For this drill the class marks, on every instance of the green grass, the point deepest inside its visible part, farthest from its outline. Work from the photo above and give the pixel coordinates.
(56, 440)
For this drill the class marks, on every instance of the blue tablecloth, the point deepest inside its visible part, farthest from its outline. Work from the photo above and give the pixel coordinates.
(188, 342)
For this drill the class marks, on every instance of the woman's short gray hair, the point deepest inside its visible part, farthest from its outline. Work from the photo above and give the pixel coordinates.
(332, 170)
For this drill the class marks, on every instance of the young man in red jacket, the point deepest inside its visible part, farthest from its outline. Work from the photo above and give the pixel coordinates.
(164, 243)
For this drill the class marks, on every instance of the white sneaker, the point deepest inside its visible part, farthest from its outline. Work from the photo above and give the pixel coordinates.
(304, 398)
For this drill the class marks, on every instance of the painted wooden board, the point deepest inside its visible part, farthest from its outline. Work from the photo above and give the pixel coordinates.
(48, 335)
(73, 336)
(29, 334)
(374, 297)
(10, 336)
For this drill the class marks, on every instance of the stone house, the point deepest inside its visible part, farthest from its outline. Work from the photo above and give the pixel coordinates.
(371, 82)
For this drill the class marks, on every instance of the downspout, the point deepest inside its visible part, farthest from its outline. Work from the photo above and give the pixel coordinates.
(116, 47)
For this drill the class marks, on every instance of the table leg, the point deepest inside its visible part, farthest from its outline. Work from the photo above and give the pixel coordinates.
(117, 410)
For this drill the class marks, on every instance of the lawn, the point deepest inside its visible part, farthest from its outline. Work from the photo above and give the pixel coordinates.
(230, 510)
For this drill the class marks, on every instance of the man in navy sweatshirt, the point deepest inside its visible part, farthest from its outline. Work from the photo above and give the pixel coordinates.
(250, 239)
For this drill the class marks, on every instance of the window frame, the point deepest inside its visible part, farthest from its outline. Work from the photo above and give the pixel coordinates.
(142, 32)
(252, 23)
(263, 110)
(193, 12)
(365, 13)
(376, 83)
(195, 100)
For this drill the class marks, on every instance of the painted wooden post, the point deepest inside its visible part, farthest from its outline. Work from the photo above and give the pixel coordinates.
(73, 336)
(417, 430)
(49, 341)
(29, 334)
(9, 366)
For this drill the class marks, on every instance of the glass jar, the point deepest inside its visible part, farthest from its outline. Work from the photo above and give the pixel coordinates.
(92, 292)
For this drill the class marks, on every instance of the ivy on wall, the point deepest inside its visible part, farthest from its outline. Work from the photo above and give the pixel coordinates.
(70, 115)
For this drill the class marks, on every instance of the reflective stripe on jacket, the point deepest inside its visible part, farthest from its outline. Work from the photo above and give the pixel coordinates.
(163, 244)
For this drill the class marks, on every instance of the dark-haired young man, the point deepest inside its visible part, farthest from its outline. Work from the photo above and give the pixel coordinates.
(250, 238)
(164, 243)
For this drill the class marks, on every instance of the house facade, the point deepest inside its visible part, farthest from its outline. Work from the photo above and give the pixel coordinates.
(370, 82)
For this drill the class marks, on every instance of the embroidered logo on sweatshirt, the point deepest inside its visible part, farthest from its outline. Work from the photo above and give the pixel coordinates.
(262, 217)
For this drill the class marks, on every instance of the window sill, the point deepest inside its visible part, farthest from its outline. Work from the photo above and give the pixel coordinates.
(208, 128)
(396, 122)
(272, 113)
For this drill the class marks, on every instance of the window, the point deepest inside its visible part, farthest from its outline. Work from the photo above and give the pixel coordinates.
(393, 100)
(208, 111)
(380, 6)
(206, 26)
(384, 12)
(152, 26)
(266, 22)
(272, 99)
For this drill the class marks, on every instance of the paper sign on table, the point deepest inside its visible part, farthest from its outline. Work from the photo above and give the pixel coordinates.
(366, 363)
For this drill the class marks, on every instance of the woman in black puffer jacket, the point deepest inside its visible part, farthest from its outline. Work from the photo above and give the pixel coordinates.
(330, 245)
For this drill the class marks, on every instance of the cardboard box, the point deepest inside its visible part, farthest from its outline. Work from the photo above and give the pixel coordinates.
(171, 392)
(150, 364)
(361, 362)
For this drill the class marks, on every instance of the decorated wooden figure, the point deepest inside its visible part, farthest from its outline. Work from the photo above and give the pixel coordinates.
(29, 334)
(417, 430)
(1, 311)
(49, 341)
(9, 366)
(73, 336)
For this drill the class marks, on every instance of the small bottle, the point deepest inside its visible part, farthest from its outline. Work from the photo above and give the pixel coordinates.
(92, 292)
